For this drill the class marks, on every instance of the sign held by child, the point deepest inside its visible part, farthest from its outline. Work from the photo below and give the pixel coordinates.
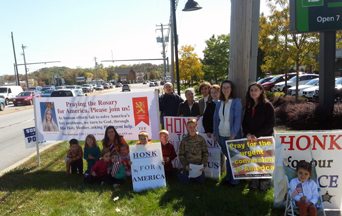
(147, 167)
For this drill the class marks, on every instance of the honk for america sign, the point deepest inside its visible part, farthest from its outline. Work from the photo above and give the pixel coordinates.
(147, 167)
(63, 118)
(323, 149)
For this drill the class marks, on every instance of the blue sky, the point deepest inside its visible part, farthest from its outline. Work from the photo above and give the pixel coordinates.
(76, 31)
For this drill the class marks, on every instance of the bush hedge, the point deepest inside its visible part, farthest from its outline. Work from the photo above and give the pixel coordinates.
(303, 115)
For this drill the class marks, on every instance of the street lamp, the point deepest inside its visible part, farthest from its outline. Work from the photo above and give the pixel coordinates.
(191, 5)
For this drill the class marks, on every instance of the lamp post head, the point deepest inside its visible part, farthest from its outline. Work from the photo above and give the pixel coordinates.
(191, 5)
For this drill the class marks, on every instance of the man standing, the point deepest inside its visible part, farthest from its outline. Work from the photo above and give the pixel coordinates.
(168, 102)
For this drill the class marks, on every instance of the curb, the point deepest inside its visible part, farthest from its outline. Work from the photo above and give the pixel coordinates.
(24, 160)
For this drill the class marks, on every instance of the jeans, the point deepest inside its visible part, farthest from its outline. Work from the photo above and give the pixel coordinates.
(229, 173)
(183, 177)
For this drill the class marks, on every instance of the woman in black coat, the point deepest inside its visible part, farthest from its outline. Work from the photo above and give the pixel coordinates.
(258, 121)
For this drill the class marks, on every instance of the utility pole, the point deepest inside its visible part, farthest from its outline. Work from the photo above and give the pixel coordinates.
(244, 43)
(172, 44)
(15, 63)
(23, 47)
(95, 69)
(163, 45)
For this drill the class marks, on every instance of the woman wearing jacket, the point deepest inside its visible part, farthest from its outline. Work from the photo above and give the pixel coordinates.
(227, 122)
(258, 121)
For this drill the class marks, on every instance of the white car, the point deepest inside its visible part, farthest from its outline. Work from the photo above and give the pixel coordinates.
(338, 86)
(301, 88)
(303, 78)
(310, 92)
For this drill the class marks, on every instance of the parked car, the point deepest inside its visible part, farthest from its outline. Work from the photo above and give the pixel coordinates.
(269, 85)
(24, 98)
(313, 92)
(46, 93)
(48, 87)
(2, 103)
(87, 88)
(67, 93)
(70, 87)
(265, 79)
(144, 83)
(151, 84)
(301, 88)
(118, 84)
(156, 83)
(60, 87)
(126, 87)
(99, 87)
(302, 79)
(10, 92)
(276, 79)
(338, 90)
(106, 85)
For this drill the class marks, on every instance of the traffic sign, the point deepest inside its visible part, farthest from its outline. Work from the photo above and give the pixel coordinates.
(315, 15)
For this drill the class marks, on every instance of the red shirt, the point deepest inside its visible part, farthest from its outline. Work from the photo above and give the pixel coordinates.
(168, 151)
(100, 168)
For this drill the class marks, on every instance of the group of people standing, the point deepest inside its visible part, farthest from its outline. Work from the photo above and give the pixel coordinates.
(223, 117)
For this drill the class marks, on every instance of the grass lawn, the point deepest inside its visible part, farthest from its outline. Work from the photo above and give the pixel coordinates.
(47, 190)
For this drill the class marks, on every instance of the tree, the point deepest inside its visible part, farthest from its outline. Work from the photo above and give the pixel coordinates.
(284, 50)
(190, 66)
(216, 58)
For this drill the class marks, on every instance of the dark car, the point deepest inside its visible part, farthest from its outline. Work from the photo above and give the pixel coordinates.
(269, 85)
(126, 87)
(24, 98)
(2, 103)
(265, 79)
(67, 93)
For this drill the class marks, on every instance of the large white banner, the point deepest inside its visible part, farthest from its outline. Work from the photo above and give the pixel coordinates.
(323, 150)
(63, 118)
(147, 166)
(176, 126)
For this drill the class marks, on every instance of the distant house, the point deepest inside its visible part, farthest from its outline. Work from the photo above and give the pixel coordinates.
(126, 74)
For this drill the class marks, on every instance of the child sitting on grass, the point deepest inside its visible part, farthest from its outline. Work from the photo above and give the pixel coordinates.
(99, 172)
(117, 172)
(74, 158)
(125, 159)
(92, 152)
(304, 190)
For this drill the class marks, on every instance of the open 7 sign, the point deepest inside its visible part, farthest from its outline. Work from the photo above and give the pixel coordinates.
(315, 15)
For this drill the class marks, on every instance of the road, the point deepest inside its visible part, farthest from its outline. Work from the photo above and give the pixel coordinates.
(14, 119)
(12, 144)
